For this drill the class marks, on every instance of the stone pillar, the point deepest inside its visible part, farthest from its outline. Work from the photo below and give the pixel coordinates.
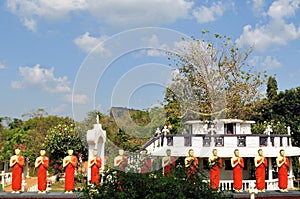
(270, 168)
(290, 175)
(3, 179)
(96, 139)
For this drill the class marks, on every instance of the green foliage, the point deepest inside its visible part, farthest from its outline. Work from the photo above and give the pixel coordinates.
(277, 127)
(59, 140)
(13, 139)
(280, 110)
(272, 88)
(153, 185)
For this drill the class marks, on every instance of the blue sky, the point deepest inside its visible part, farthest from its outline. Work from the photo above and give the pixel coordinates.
(73, 56)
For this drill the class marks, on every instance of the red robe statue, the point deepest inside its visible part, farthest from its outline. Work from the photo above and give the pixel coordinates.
(71, 164)
(192, 163)
(17, 170)
(43, 162)
(123, 164)
(95, 174)
(146, 165)
(168, 168)
(238, 174)
(261, 173)
(214, 177)
(283, 173)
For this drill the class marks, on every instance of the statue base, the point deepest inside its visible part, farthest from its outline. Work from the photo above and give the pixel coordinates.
(36, 195)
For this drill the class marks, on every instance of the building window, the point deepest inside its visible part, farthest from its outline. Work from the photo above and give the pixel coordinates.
(206, 141)
(219, 141)
(230, 128)
(263, 141)
(241, 141)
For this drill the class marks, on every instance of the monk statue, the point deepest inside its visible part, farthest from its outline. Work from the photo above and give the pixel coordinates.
(42, 163)
(215, 165)
(191, 163)
(70, 164)
(261, 164)
(168, 163)
(283, 165)
(95, 164)
(17, 163)
(237, 164)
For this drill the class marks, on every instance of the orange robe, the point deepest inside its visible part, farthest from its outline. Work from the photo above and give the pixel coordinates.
(283, 174)
(121, 167)
(215, 174)
(146, 165)
(192, 169)
(238, 174)
(124, 163)
(42, 174)
(17, 170)
(168, 168)
(70, 174)
(261, 174)
(95, 174)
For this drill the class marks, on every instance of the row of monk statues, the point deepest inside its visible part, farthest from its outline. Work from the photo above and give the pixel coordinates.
(237, 163)
(42, 163)
(145, 164)
(215, 164)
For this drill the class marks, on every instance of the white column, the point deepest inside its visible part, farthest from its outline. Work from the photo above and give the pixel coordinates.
(3, 179)
(270, 168)
(291, 175)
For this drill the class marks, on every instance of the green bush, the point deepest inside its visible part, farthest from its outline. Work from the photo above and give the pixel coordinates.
(152, 185)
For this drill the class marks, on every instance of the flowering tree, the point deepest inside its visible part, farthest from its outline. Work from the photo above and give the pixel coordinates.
(57, 142)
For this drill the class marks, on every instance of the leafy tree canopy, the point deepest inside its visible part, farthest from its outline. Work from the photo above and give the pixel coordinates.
(212, 80)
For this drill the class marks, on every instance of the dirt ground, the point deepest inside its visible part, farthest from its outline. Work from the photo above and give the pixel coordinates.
(31, 181)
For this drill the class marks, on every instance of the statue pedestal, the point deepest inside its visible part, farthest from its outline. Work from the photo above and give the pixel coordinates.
(96, 139)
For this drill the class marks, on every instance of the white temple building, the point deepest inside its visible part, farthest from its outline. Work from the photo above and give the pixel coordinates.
(226, 135)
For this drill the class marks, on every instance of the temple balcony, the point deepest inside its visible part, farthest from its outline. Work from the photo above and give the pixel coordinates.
(248, 144)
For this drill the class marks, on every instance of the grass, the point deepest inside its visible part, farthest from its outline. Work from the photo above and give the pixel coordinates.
(59, 186)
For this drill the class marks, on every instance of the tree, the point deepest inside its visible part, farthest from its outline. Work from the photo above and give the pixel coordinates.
(40, 112)
(265, 107)
(59, 140)
(272, 88)
(213, 80)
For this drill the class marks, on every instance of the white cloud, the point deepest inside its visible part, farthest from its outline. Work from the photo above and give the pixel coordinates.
(76, 99)
(31, 10)
(132, 13)
(115, 13)
(205, 14)
(88, 43)
(159, 48)
(257, 6)
(277, 32)
(37, 77)
(283, 8)
(2, 66)
(59, 109)
(30, 24)
(271, 63)
(17, 85)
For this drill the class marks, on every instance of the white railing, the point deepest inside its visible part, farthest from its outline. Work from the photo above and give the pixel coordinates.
(186, 140)
(6, 178)
(227, 185)
(33, 188)
(247, 184)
